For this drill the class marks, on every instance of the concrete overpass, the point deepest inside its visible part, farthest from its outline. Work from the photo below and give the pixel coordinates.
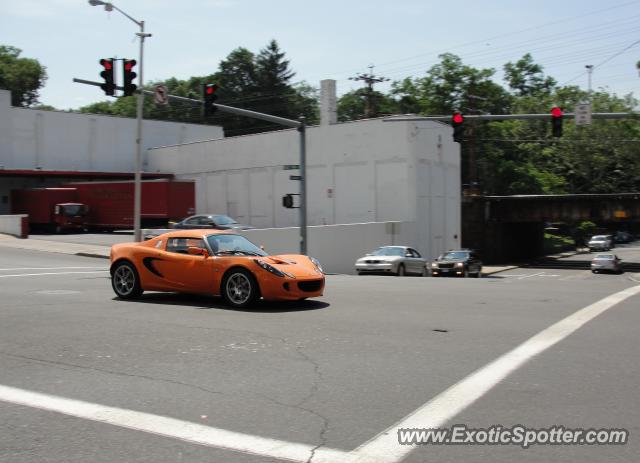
(511, 228)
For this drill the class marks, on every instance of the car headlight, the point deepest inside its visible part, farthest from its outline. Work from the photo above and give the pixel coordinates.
(459, 264)
(434, 265)
(269, 268)
(316, 262)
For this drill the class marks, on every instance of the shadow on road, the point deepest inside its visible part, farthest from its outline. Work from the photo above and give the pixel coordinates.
(206, 302)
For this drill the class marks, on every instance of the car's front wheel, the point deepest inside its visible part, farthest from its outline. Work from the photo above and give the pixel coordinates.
(125, 281)
(240, 288)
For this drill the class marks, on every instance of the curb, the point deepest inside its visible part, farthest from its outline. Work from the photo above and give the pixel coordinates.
(89, 254)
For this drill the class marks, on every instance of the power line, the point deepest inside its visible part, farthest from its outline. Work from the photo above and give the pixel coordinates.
(605, 61)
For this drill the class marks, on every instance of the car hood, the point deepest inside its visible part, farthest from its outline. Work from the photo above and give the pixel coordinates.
(295, 264)
(380, 258)
(449, 261)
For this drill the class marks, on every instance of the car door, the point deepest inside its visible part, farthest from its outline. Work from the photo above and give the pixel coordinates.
(182, 271)
(417, 262)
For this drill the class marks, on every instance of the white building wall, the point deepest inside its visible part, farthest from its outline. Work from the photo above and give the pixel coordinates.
(364, 171)
(56, 140)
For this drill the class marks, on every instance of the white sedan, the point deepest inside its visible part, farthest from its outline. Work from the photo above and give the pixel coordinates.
(395, 260)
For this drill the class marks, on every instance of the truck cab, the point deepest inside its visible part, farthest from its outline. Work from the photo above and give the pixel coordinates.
(70, 216)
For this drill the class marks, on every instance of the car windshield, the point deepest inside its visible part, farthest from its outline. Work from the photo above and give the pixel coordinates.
(223, 244)
(605, 257)
(223, 220)
(73, 209)
(388, 251)
(599, 238)
(455, 255)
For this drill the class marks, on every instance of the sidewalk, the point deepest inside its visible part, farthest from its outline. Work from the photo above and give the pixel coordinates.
(86, 250)
(90, 250)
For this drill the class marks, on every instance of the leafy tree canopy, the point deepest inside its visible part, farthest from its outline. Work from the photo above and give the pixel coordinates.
(22, 76)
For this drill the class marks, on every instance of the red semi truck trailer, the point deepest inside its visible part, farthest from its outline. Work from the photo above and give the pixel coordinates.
(111, 203)
(50, 209)
(104, 205)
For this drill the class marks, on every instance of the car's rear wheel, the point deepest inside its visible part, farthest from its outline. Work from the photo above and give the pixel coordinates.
(125, 281)
(401, 271)
(240, 288)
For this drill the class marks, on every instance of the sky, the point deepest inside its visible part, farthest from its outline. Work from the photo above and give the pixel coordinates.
(326, 39)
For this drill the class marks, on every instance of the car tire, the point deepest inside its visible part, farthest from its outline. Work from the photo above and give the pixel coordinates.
(239, 288)
(401, 271)
(125, 281)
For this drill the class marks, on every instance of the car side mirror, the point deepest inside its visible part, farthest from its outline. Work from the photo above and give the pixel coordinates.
(196, 251)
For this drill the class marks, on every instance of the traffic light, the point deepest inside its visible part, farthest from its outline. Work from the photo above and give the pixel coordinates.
(109, 85)
(129, 75)
(556, 121)
(457, 122)
(209, 96)
(287, 201)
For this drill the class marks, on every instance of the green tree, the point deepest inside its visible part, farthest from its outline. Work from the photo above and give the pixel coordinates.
(256, 82)
(526, 78)
(22, 76)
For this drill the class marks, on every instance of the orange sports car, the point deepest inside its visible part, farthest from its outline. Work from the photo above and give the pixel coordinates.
(212, 262)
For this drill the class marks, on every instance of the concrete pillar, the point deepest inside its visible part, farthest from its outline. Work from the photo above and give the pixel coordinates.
(6, 140)
(328, 102)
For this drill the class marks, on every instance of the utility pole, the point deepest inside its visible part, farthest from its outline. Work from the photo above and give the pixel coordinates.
(369, 79)
(589, 73)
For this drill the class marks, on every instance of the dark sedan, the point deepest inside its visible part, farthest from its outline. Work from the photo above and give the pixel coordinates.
(213, 221)
(463, 263)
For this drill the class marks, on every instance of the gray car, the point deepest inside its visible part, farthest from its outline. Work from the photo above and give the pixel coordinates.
(606, 263)
(215, 221)
(395, 260)
(600, 243)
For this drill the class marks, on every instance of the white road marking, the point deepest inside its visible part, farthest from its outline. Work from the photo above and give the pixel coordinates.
(15, 269)
(48, 273)
(169, 427)
(446, 405)
(384, 448)
(530, 275)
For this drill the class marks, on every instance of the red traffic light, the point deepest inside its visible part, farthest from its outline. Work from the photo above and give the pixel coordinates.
(129, 64)
(211, 88)
(107, 64)
(556, 112)
(457, 118)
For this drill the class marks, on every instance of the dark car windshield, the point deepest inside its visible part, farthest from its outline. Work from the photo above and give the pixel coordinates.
(73, 209)
(455, 255)
(223, 220)
(388, 251)
(224, 244)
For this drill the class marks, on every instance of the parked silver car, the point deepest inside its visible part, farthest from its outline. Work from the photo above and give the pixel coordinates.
(600, 243)
(396, 260)
(606, 263)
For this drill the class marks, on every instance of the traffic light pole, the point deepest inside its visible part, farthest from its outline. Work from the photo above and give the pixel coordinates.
(299, 125)
(503, 117)
(137, 195)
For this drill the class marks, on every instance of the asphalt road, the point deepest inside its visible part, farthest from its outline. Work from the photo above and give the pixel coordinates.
(332, 373)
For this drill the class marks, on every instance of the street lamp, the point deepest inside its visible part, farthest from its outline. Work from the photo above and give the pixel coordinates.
(108, 6)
